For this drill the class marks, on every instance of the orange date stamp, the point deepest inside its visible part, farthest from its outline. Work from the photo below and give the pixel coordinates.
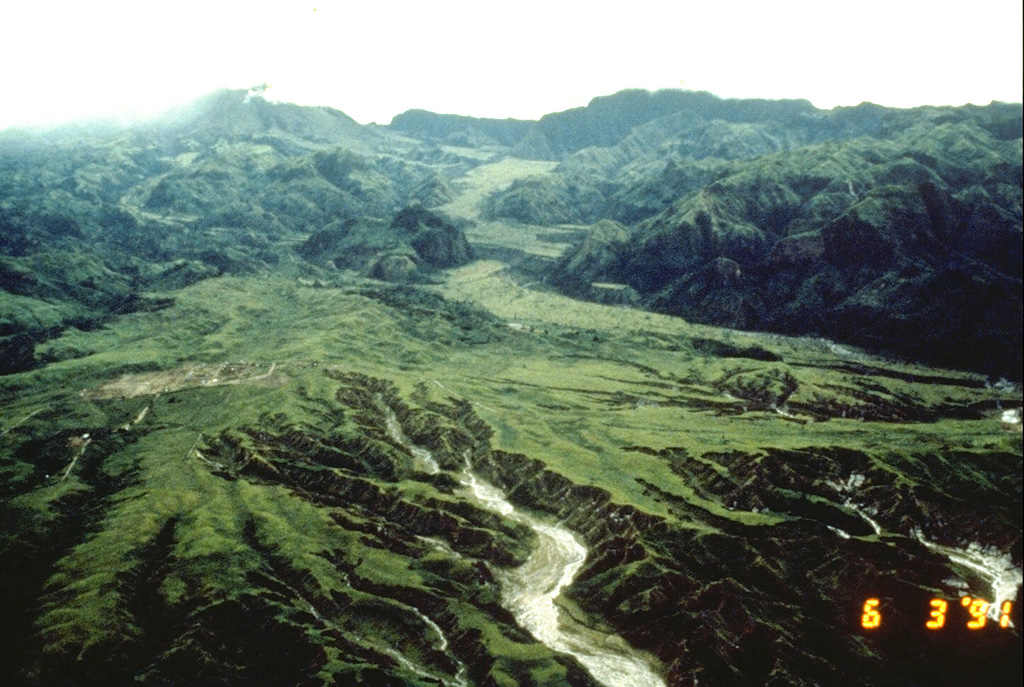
(979, 612)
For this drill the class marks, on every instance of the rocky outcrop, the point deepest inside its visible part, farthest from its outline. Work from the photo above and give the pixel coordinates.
(394, 268)
(415, 240)
(597, 254)
(437, 242)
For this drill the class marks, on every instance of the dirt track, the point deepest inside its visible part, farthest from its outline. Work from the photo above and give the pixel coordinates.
(186, 377)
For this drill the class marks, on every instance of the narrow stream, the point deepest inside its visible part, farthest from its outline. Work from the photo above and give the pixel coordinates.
(994, 568)
(529, 591)
(422, 457)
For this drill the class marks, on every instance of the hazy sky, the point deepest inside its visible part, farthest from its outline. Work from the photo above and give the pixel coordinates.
(374, 59)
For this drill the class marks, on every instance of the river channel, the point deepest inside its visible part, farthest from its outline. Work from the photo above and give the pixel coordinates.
(529, 591)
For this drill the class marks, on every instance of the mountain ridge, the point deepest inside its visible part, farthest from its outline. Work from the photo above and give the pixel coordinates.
(234, 164)
(279, 391)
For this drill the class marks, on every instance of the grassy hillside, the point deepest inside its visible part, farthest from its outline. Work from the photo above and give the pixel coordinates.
(237, 467)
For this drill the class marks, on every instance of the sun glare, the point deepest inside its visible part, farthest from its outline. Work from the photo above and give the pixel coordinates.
(524, 60)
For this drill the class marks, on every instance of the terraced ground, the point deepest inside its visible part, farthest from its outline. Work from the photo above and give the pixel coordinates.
(266, 528)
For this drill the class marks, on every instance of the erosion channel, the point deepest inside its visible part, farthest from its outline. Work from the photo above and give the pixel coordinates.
(529, 591)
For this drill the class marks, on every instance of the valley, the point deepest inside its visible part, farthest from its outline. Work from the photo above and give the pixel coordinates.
(672, 467)
(277, 423)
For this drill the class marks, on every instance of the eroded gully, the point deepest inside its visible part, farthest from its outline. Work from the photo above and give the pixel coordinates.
(999, 577)
(529, 591)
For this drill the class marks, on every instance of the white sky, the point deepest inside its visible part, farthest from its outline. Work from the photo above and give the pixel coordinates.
(376, 58)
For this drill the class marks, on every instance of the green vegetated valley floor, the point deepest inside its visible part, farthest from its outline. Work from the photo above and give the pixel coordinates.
(208, 488)
(211, 496)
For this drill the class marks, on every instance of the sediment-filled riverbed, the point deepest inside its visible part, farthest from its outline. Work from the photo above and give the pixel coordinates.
(529, 591)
